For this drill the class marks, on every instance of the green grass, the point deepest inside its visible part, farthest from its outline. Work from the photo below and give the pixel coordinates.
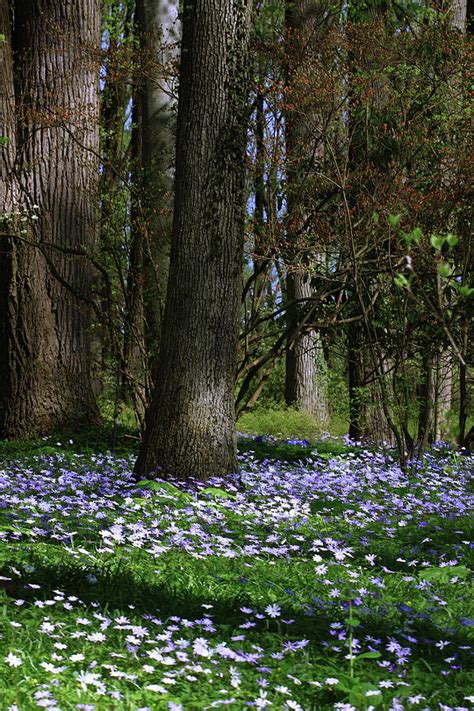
(67, 583)
(280, 422)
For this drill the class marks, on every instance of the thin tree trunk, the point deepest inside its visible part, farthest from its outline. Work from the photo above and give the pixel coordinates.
(427, 401)
(191, 422)
(305, 382)
(305, 363)
(46, 355)
(157, 28)
(259, 260)
(135, 365)
(367, 419)
(115, 97)
(465, 385)
(444, 393)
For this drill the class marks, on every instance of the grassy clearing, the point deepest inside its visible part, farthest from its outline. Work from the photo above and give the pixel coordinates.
(321, 577)
(280, 422)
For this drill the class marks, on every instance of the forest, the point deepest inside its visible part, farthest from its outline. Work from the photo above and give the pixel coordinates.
(236, 358)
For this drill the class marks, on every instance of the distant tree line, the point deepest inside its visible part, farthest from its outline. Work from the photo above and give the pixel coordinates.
(226, 202)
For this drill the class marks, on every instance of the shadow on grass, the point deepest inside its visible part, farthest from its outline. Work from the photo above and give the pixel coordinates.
(290, 453)
(121, 590)
(123, 441)
(120, 440)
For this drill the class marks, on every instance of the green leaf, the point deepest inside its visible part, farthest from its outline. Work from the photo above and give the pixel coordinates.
(218, 493)
(163, 487)
(144, 483)
(394, 220)
(416, 235)
(437, 242)
(354, 622)
(466, 291)
(358, 695)
(369, 655)
(444, 270)
(452, 240)
(401, 281)
(4, 140)
(3, 39)
(445, 573)
(413, 236)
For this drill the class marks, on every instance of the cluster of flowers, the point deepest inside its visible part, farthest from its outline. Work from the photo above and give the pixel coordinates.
(18, 219)
(336, 518)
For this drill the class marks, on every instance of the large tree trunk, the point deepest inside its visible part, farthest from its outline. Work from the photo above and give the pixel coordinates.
(45, 354)
(7, 119)
(191, 423)
(305, 372)
(7, 194)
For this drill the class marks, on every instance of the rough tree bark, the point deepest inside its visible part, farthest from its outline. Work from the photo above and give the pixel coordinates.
(7, 193)
(305, 382)
(191, 423)
(45, 355)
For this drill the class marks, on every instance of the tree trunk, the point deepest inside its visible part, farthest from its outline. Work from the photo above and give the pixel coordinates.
(260, 258)
(46, 351)
(465, 383)
(427, 389)
(367, 420)
(114, 212)
(191, 422)
(305, 371)
(443, 393)
(7, 120)
(305, 363)
(135, 368)
(7, 196)
(157, 28)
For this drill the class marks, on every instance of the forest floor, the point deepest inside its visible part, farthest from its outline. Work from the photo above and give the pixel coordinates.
(321, 577)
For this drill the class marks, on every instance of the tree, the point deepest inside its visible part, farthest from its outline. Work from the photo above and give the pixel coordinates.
(117, 45)
(7, 192)
(190, 428)
(154, 127)
(47, 279)
(305, 21)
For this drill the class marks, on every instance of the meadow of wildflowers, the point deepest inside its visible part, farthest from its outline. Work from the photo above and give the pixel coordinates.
(327, 581)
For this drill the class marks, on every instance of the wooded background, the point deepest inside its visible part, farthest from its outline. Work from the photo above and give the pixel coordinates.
(229, 205)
